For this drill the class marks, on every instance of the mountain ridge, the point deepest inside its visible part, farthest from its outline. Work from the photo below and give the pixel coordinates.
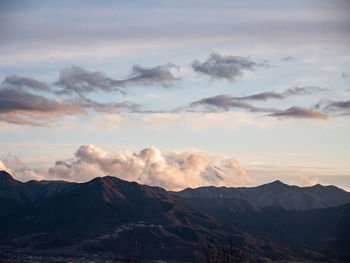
(275, 193)
(108, 213)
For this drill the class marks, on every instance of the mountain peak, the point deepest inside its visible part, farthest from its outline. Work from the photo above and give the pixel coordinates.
(108, 180)
(277, 182)
(115, 184)
(5, 177)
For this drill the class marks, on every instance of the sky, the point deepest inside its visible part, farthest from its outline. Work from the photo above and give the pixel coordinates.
(176, 93)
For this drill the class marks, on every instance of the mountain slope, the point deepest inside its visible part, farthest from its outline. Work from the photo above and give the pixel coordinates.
(110, 207)
(117, 202)
(110, 214)
(317, 228)
(31, 190)
(15, 194)
(114, 214)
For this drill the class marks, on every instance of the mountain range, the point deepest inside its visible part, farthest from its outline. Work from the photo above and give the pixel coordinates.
(274, 194)
(107, 216)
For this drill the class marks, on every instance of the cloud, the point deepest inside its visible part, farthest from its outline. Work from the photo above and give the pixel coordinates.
(302, 91)
(111, 31)
(224, 102)
(305, 181)
(173, 171)
(339, 106)
(23, 82)
(77, 80)
(226, 67)
(160, 75)
(21, 107)
(109, 107)
(299, 113)
(227, 101)
(287, 59)
(4, 168)
(263, 96)
(18, 170)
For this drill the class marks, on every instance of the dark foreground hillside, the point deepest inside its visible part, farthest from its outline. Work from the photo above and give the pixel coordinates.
(108, 218)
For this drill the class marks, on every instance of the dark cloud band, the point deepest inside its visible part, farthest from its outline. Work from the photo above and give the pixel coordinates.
(226, 67)
(21, 107)
(25, 83)
(76, 80)
(299, 113)
(296, 91)
(338, 107)
(223, 102)
(227, 102)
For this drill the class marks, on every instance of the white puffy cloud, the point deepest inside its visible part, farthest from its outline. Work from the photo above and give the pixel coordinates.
(18, 170)
(173, 170)
(3, 167)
